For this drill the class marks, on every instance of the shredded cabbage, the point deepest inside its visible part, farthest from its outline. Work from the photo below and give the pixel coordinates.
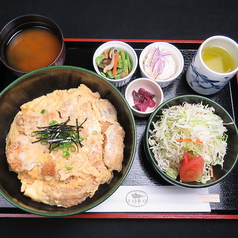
(190, 127)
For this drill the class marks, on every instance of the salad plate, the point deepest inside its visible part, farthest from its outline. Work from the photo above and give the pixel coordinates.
(210, 135)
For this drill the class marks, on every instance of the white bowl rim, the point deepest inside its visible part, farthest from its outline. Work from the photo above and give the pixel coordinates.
(112, 42)
(177, 52)
(147, 112)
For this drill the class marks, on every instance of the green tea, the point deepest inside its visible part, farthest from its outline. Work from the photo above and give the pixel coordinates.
(218, 59)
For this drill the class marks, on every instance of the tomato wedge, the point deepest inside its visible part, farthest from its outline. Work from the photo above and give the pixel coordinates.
(191, 167)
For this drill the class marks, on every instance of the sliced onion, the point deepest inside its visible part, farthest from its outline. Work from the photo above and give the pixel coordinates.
(158, 60)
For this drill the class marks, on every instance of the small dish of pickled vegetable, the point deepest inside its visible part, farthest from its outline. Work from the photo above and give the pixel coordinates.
(116, 61)
(161, 62)
(144, 96)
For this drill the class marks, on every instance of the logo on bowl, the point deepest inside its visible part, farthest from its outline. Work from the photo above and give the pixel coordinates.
(136, 198)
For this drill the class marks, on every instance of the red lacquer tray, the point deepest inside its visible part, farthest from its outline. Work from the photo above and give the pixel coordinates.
(79, 53)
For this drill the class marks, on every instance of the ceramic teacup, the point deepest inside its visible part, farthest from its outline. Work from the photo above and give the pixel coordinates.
(205, 79)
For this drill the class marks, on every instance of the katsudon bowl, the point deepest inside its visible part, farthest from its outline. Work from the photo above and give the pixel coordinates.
(43, 81)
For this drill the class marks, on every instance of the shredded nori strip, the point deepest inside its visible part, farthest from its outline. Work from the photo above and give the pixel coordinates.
(59, 133)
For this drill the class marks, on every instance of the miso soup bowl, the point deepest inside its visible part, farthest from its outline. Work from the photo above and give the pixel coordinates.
(21, 23)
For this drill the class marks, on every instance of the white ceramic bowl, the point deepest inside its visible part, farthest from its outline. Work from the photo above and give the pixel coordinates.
(123, 46)
(176, 55)
(150, 86)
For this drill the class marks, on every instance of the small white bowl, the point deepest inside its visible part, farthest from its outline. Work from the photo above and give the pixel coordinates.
(123, 46)
(176, 55)
(150, 86)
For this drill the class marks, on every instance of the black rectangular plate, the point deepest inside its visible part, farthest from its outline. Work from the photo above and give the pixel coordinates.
(80, 53)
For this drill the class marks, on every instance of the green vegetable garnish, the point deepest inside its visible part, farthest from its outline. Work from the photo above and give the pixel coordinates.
(69, 168)
(66, 154)
(42, 111)
(172, 173)
(123, 68)
(94, 132)
(60, 136)
(53, 123)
